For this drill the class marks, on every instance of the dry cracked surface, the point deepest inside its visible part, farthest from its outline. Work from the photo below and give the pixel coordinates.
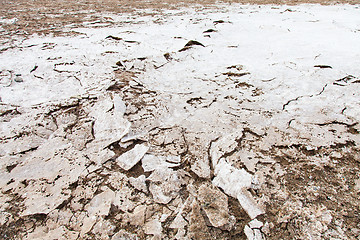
(181, 124)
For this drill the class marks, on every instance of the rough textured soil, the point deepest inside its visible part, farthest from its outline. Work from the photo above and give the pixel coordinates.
(113, 131)
(47, 16)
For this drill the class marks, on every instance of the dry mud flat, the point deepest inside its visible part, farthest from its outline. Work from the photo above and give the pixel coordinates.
(229, 122)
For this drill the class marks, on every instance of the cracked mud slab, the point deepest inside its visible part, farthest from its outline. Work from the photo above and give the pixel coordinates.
(225, 122)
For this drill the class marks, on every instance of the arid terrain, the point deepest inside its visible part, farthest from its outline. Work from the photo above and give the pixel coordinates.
(169, 120)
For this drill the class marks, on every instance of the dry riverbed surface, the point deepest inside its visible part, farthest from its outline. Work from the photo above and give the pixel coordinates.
(145, 120)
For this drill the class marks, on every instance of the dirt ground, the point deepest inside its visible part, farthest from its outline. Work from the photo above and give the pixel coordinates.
(44, 17)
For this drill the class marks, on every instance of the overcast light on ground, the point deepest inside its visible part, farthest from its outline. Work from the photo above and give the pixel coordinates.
(228, 121)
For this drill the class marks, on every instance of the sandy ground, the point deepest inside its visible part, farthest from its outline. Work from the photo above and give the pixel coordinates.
(148, 120)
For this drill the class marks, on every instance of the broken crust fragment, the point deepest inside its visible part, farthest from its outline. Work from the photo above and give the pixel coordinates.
(235, 183)
(165, 185)
(201, 168)
(137, 217)
(139, 183)
(179, 222)
(224, 145)
(151, 162)
(122, 234)
(99, 206)
(248, 203)
(51, 170)
(215, 205)
(129, 159)
(101, 203)
(59, 233)
(197, 228)
(153, 227)
(110, 126)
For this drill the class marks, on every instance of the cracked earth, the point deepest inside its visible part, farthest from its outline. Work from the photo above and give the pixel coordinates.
(221, 121)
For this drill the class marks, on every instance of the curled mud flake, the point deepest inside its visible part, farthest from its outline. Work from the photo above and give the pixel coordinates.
(231, 74)
(18, 78)
(219, 21)
(114, 37)
(210, 31)
(322, 66)
(189, 45)
(193, 42)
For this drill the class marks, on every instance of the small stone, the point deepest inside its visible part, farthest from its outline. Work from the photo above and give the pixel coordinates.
(164, 217)
(326, 217)
(235, 182)
(336, 154)
(175, 204)
(173, 159)
(125, 144)
(133, 136)
(18, 79)
(266, 228)
(165, 214)
(249, 159)
(110, 126)
(231, 179)
(101, 157)
(180, 234)
(165, 184)
(152, 211)
(201, 168)
(119, 105)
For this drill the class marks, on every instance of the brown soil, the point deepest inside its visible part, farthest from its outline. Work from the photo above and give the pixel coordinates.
(47, 16)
